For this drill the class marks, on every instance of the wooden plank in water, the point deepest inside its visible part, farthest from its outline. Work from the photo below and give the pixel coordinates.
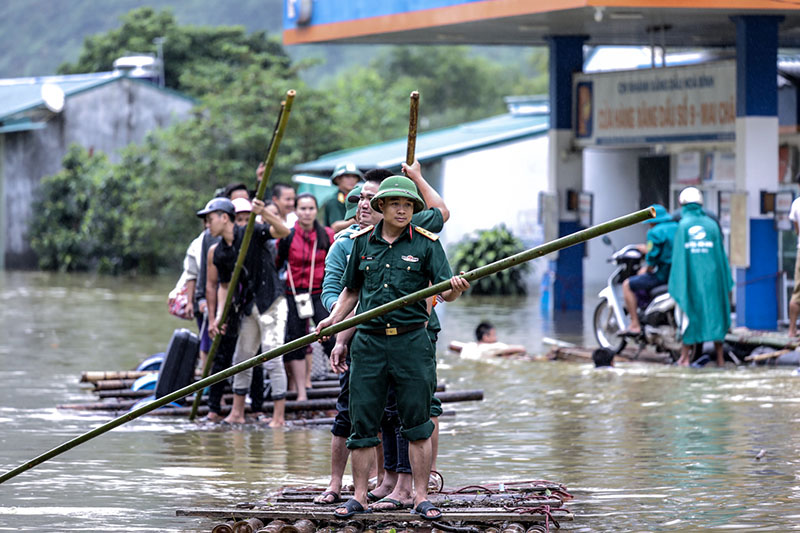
(92, 376)
(584, 355)
(318, 512)
(324, 404)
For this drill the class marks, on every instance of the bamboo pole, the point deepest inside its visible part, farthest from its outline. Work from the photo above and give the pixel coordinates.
(277, 135)
(411, 146)
(472, 275)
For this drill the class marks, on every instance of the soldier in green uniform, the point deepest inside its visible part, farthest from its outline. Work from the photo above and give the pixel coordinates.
(345, 176)
(391, 260)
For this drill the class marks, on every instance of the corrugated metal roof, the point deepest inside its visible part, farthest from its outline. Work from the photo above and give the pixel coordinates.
(435, 144)
(18, 95)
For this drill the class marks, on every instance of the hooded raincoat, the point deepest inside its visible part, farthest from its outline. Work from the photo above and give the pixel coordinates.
(700, 278)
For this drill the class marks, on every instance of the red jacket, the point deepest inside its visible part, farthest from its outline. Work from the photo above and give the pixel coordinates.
(297, 249)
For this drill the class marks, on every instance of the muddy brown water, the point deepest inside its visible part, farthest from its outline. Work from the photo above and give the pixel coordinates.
(643, 448)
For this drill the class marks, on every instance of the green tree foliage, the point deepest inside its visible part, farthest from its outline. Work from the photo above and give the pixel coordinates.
(58, 229)
(191, 53)
(141, 212)
(487, 247)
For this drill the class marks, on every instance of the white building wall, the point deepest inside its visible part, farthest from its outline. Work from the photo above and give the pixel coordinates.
(499, 184)
(612, 175)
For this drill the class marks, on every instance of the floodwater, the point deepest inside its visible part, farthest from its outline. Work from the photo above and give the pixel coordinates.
(643, 448)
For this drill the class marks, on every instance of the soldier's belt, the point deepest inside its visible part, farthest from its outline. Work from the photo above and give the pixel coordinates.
(398, 330)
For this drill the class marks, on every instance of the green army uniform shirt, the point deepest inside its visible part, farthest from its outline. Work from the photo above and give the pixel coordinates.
(383, 272)
(334, 208)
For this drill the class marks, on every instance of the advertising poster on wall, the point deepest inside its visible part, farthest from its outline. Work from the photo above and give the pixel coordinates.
(673, 104)
(688, 169)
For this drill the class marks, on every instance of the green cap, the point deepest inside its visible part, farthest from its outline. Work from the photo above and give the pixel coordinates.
(398, 186)
(351, 202)
(662, 215)
(343, 169)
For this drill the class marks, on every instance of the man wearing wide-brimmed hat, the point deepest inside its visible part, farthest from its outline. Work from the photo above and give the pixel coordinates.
(658, 259)
(345, 176)
(392, 260)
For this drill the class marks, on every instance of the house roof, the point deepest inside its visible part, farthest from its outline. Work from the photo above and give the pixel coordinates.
(21, 98)
(436, 144)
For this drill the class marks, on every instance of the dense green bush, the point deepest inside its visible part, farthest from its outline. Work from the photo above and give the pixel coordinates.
(488, 246)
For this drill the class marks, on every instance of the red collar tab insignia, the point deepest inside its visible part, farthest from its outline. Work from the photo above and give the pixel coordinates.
(426, 233)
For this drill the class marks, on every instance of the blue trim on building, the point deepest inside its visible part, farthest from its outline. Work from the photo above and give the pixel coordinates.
(566, 58)
(757, 287)
(731, 136)
(756, 65)
(568, 287)
(332, 12)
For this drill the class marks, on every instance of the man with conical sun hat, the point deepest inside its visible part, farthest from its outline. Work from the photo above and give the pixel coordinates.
(391, 260)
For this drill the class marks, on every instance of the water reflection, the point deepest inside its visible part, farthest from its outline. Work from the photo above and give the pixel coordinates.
(644, 448)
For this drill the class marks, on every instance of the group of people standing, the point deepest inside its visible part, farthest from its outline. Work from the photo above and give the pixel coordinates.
(378, 243)
(689, 256)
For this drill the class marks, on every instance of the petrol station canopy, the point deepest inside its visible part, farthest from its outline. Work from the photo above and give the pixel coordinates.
(670, 23)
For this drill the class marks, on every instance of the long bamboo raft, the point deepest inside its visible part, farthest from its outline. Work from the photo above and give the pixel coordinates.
(113, 390)
(513, 507)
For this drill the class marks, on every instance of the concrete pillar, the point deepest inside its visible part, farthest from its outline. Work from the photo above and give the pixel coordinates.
(565, 168)
(757, 165)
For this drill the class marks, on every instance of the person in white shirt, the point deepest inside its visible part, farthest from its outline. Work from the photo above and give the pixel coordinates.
(794, 301)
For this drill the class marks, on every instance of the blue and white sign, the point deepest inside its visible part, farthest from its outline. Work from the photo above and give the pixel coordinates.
(673, 104)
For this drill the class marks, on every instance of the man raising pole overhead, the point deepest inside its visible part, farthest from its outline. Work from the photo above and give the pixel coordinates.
(389, 261)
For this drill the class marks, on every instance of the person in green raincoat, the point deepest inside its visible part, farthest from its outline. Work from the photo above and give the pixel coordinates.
(700, 279)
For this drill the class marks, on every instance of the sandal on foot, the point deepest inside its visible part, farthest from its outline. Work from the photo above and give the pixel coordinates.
(323, 499)
(396, 505)
(353, 507)
(426, 507)
(372, 498)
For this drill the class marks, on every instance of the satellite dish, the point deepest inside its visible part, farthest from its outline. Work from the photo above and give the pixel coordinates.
(53, 97)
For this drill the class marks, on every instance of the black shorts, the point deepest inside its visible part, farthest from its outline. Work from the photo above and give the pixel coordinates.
(644, 282)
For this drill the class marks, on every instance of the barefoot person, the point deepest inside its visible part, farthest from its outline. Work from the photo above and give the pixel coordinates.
(700, 279)
(393, 259)
(261, 299)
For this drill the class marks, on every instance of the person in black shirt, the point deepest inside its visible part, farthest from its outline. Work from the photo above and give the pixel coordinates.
(259, 298)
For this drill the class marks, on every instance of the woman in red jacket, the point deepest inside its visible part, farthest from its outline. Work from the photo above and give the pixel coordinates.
(303, 252)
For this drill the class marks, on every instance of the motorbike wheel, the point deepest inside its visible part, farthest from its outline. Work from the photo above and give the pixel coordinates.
(606, 328)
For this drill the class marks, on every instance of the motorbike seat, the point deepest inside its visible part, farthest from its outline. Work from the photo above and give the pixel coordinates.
(658, 290)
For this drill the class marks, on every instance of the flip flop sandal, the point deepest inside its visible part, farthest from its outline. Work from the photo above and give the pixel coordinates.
(396, 505)
(353, 508)
(322, 498)
(424, 508)
(372, 498)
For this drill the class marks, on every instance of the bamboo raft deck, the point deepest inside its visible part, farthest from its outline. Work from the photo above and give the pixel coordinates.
(115, 395)
(516, 507)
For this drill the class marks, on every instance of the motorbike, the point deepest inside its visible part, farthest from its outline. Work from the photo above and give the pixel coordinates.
(657, 311)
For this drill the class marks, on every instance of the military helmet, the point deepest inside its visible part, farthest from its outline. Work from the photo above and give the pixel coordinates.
(218, 204)
(346, 168)
(351, 202)
(398, 186)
